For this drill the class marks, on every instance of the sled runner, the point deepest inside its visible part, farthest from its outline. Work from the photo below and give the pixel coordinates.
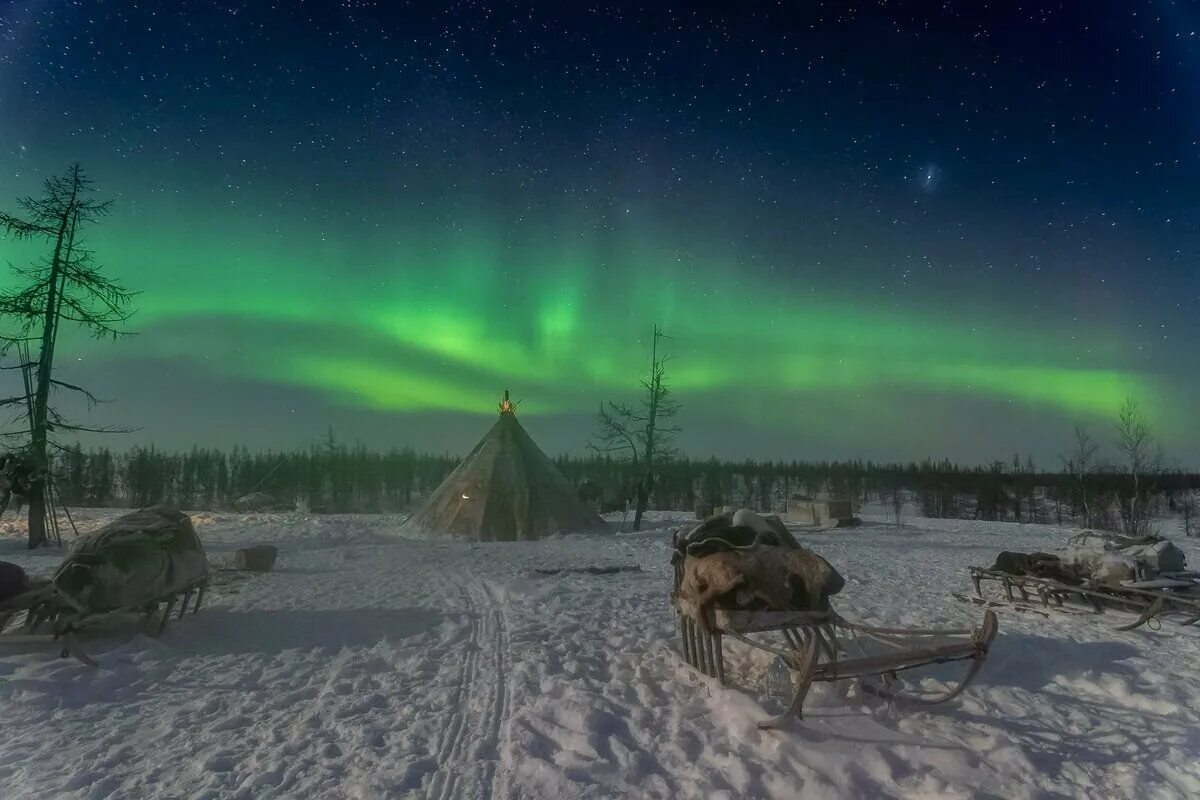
(745, 578)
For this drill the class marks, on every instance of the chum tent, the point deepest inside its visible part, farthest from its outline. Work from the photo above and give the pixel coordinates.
(506, 489)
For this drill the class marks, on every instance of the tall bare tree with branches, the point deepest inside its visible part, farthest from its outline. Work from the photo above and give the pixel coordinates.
(641, 431)
(1082, 464)
(1142, 464)
(63, 286)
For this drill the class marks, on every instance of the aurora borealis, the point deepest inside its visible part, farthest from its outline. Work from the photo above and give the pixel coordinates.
(869, 232)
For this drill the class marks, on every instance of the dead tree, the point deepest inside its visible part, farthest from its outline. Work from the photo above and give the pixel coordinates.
(896, 501)
(1081, 464)
(1187, 510)
(1142, 463)
(637, 431)
(63, 286)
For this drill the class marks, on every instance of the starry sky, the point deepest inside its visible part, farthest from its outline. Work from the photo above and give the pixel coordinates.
(880, 229)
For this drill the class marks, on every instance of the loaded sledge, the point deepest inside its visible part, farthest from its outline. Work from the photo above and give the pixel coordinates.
(744, 577)
(1146, 576)
(142, 563)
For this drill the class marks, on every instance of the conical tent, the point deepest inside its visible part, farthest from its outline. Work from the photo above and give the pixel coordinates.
(505, 489)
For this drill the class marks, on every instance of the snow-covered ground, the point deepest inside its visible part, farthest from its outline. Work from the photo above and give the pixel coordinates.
(368, 666)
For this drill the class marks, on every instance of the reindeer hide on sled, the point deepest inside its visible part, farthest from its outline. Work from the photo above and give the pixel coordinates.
(758, 577)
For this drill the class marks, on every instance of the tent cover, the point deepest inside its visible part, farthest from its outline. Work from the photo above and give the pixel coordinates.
(506, 489)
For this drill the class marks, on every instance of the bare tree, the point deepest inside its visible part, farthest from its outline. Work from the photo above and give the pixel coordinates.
(1187, 510)
(63, 286)
(638, 431)
(1081, 464)
(896, 501)
(1142, 463)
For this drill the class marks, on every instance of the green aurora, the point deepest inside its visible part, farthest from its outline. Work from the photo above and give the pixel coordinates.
(443, 326)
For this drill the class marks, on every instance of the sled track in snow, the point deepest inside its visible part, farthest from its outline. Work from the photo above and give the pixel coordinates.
(468, 751)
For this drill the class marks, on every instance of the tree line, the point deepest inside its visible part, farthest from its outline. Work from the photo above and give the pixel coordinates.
(338, 479)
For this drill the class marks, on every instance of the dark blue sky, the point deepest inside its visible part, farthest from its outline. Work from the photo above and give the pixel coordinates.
(1027, 166)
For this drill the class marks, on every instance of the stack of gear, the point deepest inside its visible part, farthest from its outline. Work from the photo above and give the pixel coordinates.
(1098, 558)
(133, 560)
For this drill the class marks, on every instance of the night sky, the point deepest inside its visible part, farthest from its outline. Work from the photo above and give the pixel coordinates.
(902, 230)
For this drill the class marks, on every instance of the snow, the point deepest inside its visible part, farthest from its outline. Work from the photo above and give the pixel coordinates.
(370, 666)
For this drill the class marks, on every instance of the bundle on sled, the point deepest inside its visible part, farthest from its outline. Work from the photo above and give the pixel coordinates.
(141, 563)
(744, 577)
(1147, 576)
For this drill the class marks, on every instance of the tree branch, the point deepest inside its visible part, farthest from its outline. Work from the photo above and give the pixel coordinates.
(92, 399)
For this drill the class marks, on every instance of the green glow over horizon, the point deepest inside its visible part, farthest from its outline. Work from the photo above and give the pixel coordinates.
(421, 330)
(437, 325)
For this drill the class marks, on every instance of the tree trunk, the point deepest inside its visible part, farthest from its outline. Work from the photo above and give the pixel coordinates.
(41, 400)
(643, 500)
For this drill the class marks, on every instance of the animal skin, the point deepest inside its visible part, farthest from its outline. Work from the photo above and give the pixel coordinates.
(762, 578)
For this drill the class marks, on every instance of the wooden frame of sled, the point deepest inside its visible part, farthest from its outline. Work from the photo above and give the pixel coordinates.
(1148, 603)
(815, 653)
(43, 610)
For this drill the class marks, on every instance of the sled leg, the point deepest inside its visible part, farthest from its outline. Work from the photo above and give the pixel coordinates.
(199, 598)
(805, 666)
(187, 598)
(162, 623)
(977, 579)
(694, 640)
(719, 649)
(693, 644)
(710, 652)
(827, 643)
(71, 647)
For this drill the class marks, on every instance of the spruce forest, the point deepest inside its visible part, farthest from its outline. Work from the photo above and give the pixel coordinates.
(353, 479)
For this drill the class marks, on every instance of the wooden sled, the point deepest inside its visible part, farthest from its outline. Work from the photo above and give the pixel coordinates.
(809, 644)
(50, 621)
(1149, 600)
